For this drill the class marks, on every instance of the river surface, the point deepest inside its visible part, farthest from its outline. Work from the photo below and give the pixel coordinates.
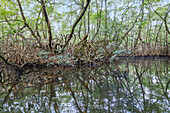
(124, 86)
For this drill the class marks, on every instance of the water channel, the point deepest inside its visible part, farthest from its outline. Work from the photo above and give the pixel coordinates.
(123, 86)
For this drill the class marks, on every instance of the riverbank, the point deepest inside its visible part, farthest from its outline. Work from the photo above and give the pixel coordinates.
(161, 57)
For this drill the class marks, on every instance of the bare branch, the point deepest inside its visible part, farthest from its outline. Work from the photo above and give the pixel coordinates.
(164, 19)
(27, 25)
(123, 37)
(74, 25)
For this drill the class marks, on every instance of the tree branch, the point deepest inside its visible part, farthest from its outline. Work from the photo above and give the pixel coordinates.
(74, 25)
(123, 37)
(164, 19)
(6, 62)
(26, 24)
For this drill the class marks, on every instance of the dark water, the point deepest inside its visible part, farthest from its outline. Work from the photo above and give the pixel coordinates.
(120, 87)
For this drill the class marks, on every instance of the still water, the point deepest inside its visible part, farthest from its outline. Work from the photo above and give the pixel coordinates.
(123, 86)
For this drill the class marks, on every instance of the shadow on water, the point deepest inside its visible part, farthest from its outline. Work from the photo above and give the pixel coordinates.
(121, 86)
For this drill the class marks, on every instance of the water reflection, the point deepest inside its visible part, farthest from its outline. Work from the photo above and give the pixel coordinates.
(123, 86)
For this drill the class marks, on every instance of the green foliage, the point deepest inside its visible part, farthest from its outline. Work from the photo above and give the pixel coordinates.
(44, 53)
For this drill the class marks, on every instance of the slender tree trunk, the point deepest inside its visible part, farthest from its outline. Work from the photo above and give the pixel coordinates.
(140, 26)
(167, 52)
(84, 25)
(97, 14)
(148, 36)
(99, 21)
(105, 19)
(89, 21)
(156, 39)
(48, 24)
(84, 20)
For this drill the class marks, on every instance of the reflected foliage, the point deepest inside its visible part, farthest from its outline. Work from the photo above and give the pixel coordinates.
(122, 86)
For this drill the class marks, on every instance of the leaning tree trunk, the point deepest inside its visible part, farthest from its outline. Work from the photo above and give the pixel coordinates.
(48, 24)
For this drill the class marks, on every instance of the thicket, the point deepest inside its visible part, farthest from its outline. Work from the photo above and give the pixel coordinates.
(74, 31)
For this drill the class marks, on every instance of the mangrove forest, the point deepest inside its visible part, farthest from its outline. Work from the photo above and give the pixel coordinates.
(84, 56)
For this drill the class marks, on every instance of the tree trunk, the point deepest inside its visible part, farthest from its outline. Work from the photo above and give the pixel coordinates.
(48, 25)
